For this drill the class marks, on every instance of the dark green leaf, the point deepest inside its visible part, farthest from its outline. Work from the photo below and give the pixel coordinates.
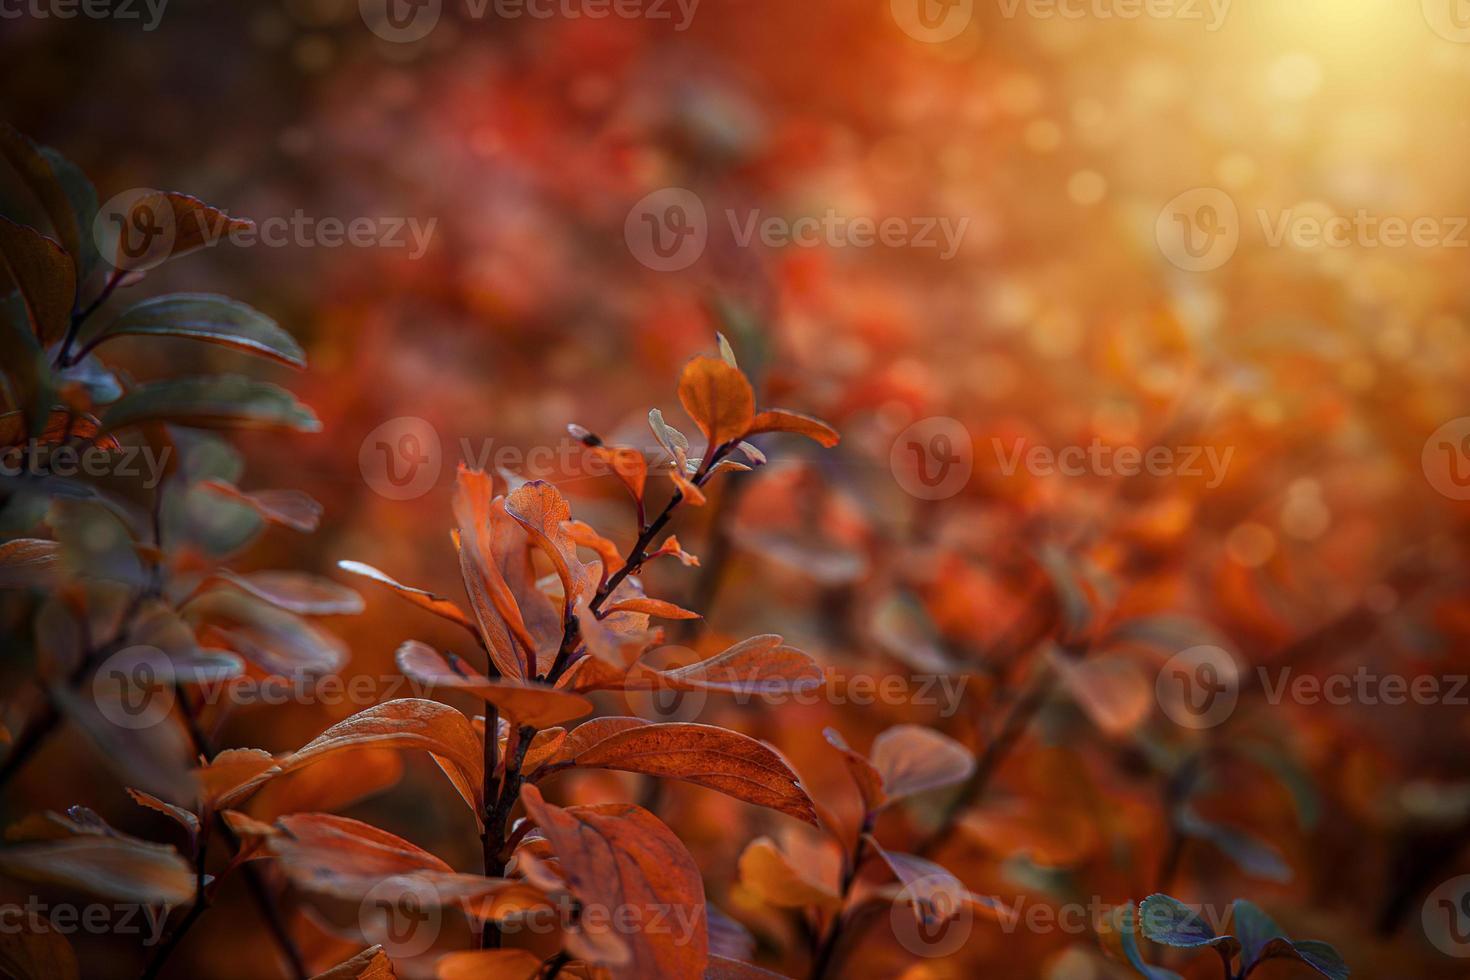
(1122, 921)
(94, 543)
(202, 316)
(1254, 928)
(225, 401)
(1254, 857)
(1322, 958)
(1170, 922)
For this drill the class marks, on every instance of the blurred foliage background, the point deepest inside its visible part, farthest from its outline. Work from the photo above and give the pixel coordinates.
(1324, 370)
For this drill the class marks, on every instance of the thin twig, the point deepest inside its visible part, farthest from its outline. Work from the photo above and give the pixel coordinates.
(852, 864)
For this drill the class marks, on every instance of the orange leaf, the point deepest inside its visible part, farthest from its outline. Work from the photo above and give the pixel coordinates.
(869, 781)
(652, 607)
(481, 964)
(288, 508)
(671, 548)
(718, 398)
(767, 871)
(705, 755)
(231, 775)
(914, 759)
(627, 463)
(177, 814)
(526, 704)
(587, 537)
(118, 867)
(436, 604)
(298, 592)
(32, 949)
(540, 508)
(187, 224)
(620, 861)
(43, 273)
(407, 723)
(332, 784)
(756, 665)
(28, 562)
(332, 855)
(482, 554)
(371, 964)
(780, 420)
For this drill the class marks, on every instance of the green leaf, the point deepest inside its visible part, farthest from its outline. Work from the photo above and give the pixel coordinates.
(225, 401)
(1253, 856)
(1254, 928)
(95, 544)
(1321, 957)
(203, 316)
(1122, 920)
(1170, 922)
(1292, 775)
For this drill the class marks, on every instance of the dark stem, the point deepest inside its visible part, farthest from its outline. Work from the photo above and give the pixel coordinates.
(41, 725)
(255, 882)
(1017, 720)
(494, 840)
(822, 962)
(201, 902)
(31, 737)
(490, 848)
(80, 318)
(552, 967)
